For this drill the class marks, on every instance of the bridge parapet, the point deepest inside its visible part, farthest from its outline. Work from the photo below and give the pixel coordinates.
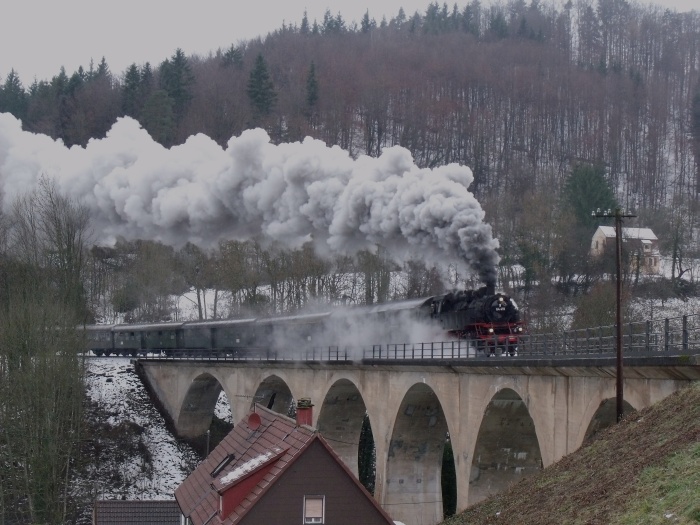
(674, 336)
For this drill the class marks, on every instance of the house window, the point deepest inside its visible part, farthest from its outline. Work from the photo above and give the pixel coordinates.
(314, 509)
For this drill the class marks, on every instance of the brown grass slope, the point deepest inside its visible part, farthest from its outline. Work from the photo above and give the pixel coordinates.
(644, 470)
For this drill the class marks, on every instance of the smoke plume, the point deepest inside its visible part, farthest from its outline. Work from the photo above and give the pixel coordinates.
(292, 193)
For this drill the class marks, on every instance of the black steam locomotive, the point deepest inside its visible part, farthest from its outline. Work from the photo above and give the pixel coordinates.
(489, 322)
(489, 318)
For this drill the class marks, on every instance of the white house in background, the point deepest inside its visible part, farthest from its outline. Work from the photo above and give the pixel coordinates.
(641, 244)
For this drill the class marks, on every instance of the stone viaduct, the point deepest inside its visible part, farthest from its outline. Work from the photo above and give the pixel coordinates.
(505, 419)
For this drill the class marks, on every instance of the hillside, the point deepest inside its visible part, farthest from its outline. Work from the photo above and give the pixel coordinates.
(645, 470)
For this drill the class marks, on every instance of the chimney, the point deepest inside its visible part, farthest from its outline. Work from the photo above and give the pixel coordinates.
(305, 413)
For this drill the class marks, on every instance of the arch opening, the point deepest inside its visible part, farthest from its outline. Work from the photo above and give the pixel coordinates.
(221, 423)
(506, 448)
(414, 485)
(198, 414)
(343, 421)
(604, 417)
(273, 393)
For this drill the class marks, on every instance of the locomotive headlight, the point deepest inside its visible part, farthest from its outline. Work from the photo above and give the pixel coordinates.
(490, 330)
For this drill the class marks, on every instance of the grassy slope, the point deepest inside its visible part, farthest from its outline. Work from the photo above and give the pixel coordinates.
(644, 470)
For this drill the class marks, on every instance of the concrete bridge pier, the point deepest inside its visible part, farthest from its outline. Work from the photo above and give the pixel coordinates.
(412, 454)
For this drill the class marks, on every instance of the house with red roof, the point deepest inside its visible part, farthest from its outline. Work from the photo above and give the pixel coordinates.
(273, 469)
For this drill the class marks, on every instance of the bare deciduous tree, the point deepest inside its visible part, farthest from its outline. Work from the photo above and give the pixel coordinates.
(41, 368)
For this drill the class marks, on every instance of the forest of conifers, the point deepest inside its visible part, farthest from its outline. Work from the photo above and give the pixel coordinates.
(528, 95)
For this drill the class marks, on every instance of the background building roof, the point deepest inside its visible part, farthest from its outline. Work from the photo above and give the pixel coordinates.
(629, 233)
(136, 512)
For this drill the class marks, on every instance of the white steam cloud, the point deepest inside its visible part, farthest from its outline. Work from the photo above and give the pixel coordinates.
(291, 193)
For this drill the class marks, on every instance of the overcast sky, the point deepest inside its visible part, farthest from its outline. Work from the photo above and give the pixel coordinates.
(37, 37)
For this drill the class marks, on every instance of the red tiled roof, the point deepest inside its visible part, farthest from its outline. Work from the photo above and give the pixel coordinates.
(197, 495)
(136, 512)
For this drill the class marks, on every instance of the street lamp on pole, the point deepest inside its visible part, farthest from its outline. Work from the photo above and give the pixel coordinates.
(618, 215)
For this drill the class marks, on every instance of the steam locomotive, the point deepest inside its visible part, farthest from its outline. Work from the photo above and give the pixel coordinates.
(491, 319)
(488, 322)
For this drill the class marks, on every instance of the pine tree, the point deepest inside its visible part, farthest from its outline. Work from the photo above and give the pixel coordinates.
(176, 79)
(233, 57)
(103, 70)
(13, 98)
(59, 88)
(367, 23)
(261, 90)
(131, 92)
(367, 453)
(333, 24)
(158, 117)
(587, 190)
(311, 93)
(400, 18)
(60, 81)
(146, 82)
(498, 26)
(431, 21)
(304, 29)
(76, 82)
(471, 18)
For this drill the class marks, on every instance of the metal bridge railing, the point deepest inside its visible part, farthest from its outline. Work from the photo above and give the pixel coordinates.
(458, 349)
(676, 335)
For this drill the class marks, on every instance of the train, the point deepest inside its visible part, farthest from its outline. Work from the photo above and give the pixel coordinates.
(487, 320)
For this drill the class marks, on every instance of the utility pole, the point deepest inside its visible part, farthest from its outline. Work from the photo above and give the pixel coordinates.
(618, 215)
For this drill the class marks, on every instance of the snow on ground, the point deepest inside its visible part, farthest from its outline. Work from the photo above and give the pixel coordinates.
(124, 403)
(655, 309)
(222, 410)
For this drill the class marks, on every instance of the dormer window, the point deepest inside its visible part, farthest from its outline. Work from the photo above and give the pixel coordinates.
(222, 465)
(314, 507)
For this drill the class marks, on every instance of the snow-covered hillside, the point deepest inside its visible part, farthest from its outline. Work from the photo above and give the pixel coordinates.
(138, 458)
